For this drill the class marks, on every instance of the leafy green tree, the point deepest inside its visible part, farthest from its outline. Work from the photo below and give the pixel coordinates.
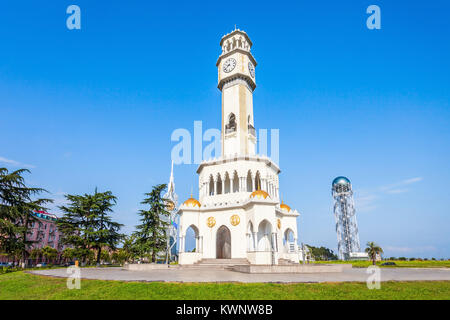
(105, 256)
(49, 254)
(86, 224)
(68, 254)
(130, 250)
(120, 256)
(151, 233)
(373, 250)
(17, 204)
(106, 232)
(322, 253)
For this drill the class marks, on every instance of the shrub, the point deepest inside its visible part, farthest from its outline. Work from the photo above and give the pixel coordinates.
(402, 259)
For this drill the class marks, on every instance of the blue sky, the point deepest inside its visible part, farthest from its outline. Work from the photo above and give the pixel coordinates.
(96, 107)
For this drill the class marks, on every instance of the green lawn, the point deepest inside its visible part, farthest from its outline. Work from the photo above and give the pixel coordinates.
(399, 263)
(20, 285)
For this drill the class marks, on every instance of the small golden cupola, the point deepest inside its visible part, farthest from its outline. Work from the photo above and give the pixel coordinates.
(284, 206)
(259, 193)
(191, 202)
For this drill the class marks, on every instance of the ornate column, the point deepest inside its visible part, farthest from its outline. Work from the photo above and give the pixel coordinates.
(264, 184)
(274, 241)
(180, 249)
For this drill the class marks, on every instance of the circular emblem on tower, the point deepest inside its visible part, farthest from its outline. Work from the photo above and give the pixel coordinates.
(279, 224)
(211, 222)
(234, 220)
(170, 205)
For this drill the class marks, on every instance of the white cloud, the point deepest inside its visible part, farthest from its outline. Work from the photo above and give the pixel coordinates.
(405, 182)
(412, 180)
(366, 200)
(396, 191)
(15, 163)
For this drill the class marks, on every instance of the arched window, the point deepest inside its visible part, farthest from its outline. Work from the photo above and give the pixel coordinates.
(249, 182)
(219, 185)
(211, 186)
(264, 236)
(235, 182)
(257, 181)
(288, 240)
(191, 239)
(231, 125)
(227, 183)
(251, 128)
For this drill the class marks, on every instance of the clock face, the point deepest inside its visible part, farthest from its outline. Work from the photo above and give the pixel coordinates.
(229, 65)
(251, 69)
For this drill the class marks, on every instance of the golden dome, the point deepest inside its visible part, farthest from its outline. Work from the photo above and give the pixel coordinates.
(259, 194)
(284, 206)
(192, 202)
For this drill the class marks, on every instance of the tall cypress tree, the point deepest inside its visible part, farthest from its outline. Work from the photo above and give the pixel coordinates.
(151, 233)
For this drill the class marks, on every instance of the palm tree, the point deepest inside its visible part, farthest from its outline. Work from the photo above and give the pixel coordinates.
(36, 254)
(373, 250)
(49, 254)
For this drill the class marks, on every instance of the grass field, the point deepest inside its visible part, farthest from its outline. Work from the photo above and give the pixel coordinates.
(399, 263)
(20, 285)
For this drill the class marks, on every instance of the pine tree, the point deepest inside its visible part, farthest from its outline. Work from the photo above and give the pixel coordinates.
(151, 233)
(86, 224)
(16, 212)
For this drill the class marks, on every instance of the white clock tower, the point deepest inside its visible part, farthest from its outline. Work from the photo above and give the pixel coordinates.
(236, 67)
(238, 217)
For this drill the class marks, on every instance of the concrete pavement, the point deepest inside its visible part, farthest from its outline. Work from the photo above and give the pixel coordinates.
(220, 275)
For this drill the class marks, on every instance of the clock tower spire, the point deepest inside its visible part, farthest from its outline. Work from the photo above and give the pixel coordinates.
(236, 68)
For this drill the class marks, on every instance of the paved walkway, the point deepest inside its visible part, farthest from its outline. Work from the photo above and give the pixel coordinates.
(218, 275)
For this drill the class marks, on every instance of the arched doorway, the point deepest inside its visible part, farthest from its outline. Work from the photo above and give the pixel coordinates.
(264, 236)
(223, 243)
